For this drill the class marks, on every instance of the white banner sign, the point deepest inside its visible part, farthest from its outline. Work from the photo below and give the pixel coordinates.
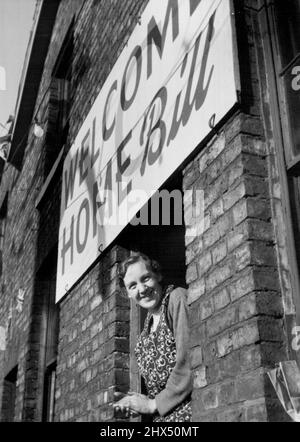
(174, 78)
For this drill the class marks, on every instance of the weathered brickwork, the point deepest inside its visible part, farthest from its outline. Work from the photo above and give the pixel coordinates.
(232, 266)
(237, 269)
(236, 306)
(31, 234)
(93, 345)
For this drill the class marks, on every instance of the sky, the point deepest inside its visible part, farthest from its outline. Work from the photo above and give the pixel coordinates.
(16, 21)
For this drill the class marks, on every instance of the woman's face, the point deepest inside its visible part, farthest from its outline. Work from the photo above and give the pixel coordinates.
(143, 286)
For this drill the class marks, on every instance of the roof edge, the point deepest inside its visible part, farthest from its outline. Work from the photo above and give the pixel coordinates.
(36, 53)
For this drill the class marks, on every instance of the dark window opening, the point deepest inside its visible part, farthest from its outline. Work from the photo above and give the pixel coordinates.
(2, 164)
(3, 219)
(166, 244)
(286, 47)
(46, 282)
(164, 241)
(9, 396)
(59, 101)
(49, 393)
(287, 16)
(294, 191)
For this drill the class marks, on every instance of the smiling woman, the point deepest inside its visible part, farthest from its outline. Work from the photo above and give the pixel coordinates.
(162, 348)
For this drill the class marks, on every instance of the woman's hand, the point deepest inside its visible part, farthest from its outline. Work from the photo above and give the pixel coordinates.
(134, 403)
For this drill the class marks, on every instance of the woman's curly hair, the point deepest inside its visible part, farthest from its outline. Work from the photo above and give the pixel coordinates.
(151, 264)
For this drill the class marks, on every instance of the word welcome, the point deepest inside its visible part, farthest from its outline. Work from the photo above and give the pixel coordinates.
(154, 135)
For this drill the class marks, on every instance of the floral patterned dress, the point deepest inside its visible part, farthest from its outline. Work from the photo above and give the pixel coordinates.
(156, 357)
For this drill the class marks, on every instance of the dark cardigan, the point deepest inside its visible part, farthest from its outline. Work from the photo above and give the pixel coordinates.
(179, 384)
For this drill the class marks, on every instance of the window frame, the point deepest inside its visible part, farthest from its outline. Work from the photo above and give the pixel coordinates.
(49, 393)
(276, 120)
(292, 160)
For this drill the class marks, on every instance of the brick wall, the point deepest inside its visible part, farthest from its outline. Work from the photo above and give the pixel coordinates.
(93, 358)
(237, 270)
(32, 234)
(233, 272)
(93, 352)
(234, 292)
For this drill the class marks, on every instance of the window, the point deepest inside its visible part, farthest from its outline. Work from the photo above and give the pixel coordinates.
(286, 46)
(287, 15)
(50, 356)
(9, 396)
(3, 213)
(59, 102)
(163, 240)
(49, 393)
(62, 78)
(48, 278)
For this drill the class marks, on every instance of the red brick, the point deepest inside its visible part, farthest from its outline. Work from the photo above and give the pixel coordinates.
(196, 290)
(237, 338)
(239, 212)
(234, 195)
(236, 171)
(193, 250)
(242, 286)
(256, 412)
(221, 299)
(266, 280)
(207, 309)
(254, 165)
(222, 321)
(191, 273)
(210, 398)
(196, 357)
(250, 386)
(271, 329)
(219, 252)
(260, 230)
(226, 393)
(231, 415)
(204, 263)
(191, 174)
(197, 333)
(200, 380)
(258, 208)
(218, 276)
(237, 237)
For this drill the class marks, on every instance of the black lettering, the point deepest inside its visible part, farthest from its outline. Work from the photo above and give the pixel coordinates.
(94, 156)
(122, 166)
(68, 245)
(106, 133)
(84, 206)
(194, 5)
(137, 55)
(69, 180)
(83, 155)
(160, 126)
(200, 91)
(96, 206)
(108, 187)
(154, 34)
